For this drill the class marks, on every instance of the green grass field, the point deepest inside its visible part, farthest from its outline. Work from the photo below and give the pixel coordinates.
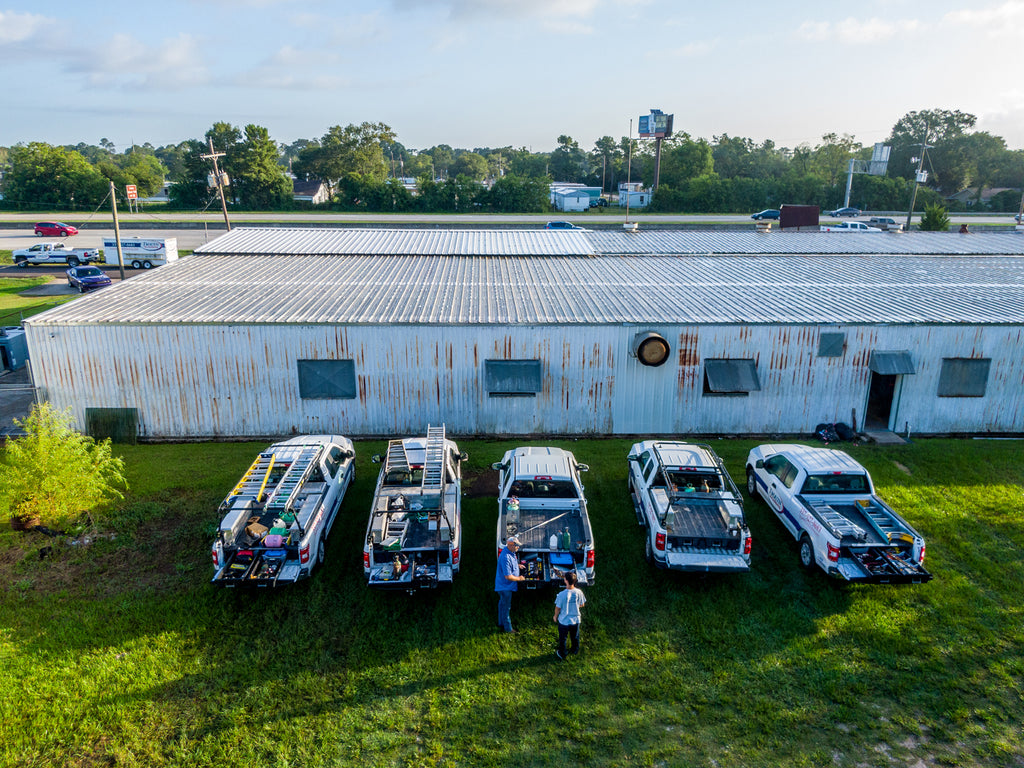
(122, 654)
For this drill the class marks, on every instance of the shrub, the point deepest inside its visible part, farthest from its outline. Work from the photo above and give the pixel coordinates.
(935, 219)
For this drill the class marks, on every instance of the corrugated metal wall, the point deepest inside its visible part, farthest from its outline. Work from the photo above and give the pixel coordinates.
(241, 380)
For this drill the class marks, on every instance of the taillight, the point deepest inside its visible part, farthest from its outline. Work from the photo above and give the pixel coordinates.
(304, 554)
(590, 558)
(659, 542)
(455, 556)
(366, 559)
(833, 553)
(216, 560)
(921, 558)
(747, 544)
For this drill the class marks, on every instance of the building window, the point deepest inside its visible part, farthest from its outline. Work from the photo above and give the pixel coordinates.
(512, 378)
(964, 377)
(831, 344)
(723, 376)
(327, 379)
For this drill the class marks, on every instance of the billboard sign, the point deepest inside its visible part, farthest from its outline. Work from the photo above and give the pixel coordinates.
(133, 191)
(656, 125)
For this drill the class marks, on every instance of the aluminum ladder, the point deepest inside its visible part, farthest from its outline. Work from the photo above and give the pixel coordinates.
(255, 479)
(842, 525)
(433, 463)
(280, 500)
(396, 456)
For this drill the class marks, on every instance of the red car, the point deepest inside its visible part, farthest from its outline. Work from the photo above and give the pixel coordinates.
(55, 229)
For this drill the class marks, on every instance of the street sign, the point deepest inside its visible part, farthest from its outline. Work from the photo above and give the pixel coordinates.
(133, 191)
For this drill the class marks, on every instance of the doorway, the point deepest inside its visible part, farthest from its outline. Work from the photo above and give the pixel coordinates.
(881, 393)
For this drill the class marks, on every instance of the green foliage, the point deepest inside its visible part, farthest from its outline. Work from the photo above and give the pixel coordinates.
(259, 181)
(41, 175)
(935, 219)
(513, 194)
(55, 473)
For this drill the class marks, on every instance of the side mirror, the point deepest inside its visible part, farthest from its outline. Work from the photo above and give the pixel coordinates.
(463, 456)
(497, 466)
(632, 457)
(759, 463)
(376, 458)
(582, 468)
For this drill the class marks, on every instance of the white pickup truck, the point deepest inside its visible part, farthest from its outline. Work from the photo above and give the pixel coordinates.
(275, 521)
(54, 253)
(414, 535)
(849, 226)
(690, 507)
(827, 501)
(541, 502)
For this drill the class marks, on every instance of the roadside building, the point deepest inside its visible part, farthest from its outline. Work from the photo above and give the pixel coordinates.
(373, 332)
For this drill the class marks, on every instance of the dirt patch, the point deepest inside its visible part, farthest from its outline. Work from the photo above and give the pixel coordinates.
(480, 483)
(902, 468)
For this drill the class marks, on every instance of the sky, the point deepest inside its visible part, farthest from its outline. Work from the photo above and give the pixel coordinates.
(493, 73)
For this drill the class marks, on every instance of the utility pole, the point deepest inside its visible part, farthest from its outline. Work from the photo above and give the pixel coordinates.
(117, 229)
(629, 167)
(917, 175)
(217, 178)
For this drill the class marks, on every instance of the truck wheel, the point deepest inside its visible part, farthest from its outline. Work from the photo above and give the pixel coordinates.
(320, 551)
(751, 483)
(136, 265)
(648, 551)
(806, 553)
(73, 262)
(147, 265)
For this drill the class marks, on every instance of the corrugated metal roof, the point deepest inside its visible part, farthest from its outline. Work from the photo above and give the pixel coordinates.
(400, 242)
(514, 290)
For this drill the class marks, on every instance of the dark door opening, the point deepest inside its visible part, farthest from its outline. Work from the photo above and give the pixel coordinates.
(4, 362)
(880, 394)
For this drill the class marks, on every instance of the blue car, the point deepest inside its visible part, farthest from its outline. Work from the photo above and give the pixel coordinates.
(561, 225)
(767, 213)
(87, 278)
(844, 212)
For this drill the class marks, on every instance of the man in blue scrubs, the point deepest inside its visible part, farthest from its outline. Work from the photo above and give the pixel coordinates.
(506, 580)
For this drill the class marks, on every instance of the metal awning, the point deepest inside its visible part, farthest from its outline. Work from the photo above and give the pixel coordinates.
(732, 375)
(891, 363)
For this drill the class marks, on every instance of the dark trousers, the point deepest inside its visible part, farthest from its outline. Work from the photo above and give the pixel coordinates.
(572, 631)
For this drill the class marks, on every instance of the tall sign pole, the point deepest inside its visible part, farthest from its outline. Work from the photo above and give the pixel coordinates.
(220, 186)
(117, 229)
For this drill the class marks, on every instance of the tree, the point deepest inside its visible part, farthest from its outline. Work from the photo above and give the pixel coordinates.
(682, 159)
(518, 194)
(55, 474)
(190, 188)
(44, 175)
(934, 219)
(607, 155)
(937, 128)
(832, 156)
(568, 162)
(470, 165)
(259, 180)
(352, 149)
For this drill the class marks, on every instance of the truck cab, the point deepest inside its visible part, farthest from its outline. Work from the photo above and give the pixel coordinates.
(541, 501)
(692, 511)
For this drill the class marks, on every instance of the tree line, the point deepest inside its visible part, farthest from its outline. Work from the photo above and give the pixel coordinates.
(365, 167)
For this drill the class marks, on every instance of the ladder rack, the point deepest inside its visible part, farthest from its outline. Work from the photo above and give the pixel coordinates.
(255, 479)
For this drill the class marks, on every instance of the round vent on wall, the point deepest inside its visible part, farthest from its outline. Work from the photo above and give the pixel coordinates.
(650, 348)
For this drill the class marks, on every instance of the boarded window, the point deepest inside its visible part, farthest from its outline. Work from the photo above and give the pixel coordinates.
(512, 378)
(724, 376)
(831, 344)
(327, 379)
(964, 377)
(895, 363)
(120, 425)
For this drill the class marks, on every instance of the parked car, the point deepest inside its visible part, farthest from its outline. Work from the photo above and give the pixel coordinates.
(561, 225)
(767, 213)
(1017, 218)
(54, 229)
(844, 212)
(599, 202)
(87, 278)
(885, 223)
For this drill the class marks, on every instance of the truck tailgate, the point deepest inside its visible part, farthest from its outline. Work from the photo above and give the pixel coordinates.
(706, 562)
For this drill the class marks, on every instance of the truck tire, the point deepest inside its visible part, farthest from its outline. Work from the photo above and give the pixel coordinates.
(73, 261)
(136, 264)
(648, 550)
(751, 483)
(806, 553)
(320, 555)
(147, 265)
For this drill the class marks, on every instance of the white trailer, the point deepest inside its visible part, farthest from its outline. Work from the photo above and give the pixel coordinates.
(141, 253)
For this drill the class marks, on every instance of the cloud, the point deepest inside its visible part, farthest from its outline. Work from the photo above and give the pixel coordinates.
(20, 27)
(1009, 14)
(124, 61)
(563, 16)
(366, 30)
(852, 31)
(289, 68)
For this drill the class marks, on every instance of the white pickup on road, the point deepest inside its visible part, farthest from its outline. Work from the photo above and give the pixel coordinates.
(54, 253)
(849, 226)
(827, 501)
(690, 507)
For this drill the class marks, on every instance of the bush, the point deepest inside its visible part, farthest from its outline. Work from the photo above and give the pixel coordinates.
(935, 219)
(54, 474)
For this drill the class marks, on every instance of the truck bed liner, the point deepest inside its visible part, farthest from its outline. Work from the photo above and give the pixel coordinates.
(698, 518)
(540, 537)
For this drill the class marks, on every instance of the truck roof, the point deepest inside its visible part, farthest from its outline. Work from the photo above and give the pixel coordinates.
(532, 462)
(815, 459)
(676, 454)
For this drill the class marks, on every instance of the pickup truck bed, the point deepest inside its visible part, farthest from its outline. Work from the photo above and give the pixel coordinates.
(543, 524)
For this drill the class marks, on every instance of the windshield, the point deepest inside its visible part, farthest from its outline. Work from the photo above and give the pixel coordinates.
(89, 272)
(839, 483)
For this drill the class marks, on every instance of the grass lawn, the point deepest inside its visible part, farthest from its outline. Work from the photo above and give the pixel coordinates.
(121, 653)
(14, 306)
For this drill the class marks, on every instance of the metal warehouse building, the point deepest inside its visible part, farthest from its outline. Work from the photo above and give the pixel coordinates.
(376, 332)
